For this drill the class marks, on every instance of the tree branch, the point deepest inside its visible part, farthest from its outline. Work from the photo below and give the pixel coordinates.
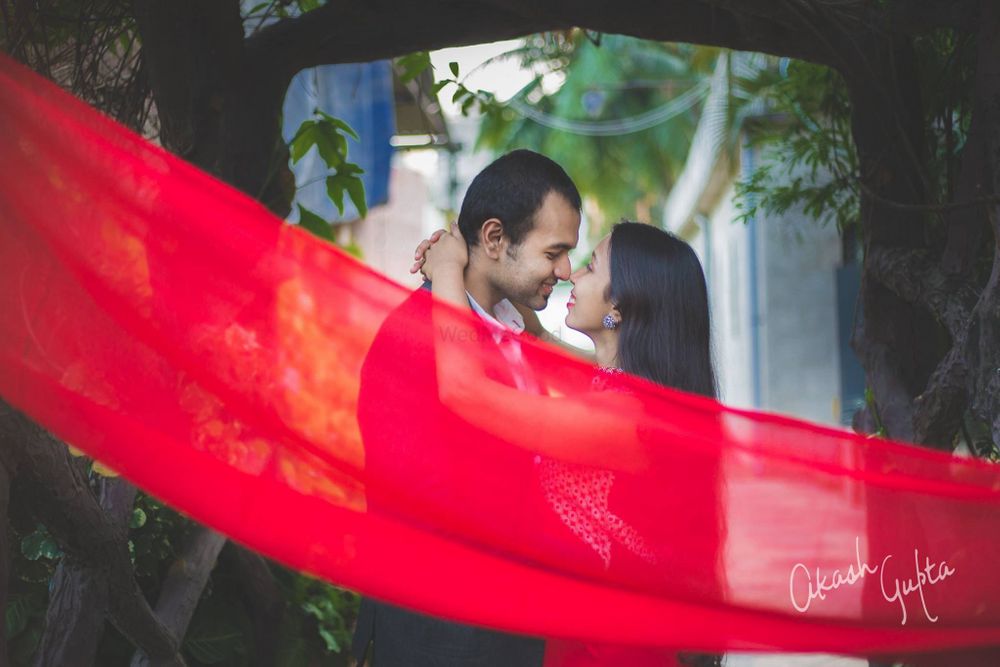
(78, 601)
(914, 277)
(6, 475)
(360, 31)
(183, 587)
(75, 617)
(940, 407)
(72, 515)
(883, 377)
(984, 354)
(263, 600)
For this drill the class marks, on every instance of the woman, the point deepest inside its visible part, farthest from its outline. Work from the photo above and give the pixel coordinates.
(643, 302)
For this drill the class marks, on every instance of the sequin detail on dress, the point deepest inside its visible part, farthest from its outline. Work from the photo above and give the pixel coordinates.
(579, 496)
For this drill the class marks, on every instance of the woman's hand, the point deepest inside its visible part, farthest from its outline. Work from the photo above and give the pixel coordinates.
(418, 254)
(442, 252)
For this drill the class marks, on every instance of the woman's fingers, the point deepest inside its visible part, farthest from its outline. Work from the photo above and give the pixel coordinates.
(420, 254)
(427, 243)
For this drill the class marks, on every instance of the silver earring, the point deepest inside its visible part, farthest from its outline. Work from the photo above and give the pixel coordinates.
(610, 322)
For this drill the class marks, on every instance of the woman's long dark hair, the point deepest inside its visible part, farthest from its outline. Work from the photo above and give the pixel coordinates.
(659, 289)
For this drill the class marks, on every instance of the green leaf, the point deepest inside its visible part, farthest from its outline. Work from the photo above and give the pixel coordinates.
(453, 66)
(335, 186)
(413, 64)
(313, 223)
(40, 544)
(138, 518)
(308, 5)
(331, 642)
(304, 139)
(438, 85)
(337, 123)
(356, 189)
(332, 146)
(467, 104)
(353, 249)
(346, 179)
(350, 169)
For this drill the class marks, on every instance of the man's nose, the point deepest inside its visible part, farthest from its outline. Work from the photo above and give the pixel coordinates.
(563, 268)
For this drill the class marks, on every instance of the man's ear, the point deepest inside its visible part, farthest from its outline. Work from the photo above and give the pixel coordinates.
(491, 238)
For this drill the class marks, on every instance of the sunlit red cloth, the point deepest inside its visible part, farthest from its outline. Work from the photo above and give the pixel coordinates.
(171, 327)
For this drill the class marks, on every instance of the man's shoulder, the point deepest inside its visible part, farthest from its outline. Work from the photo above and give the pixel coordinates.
(403, 334)
(413, 310)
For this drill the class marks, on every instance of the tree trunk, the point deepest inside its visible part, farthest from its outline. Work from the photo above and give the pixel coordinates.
(216, 109)
(984, 351)
(182, 589)
(78, 598)
(263, 600)
(64, 502)
(6, 475)
(898, 343)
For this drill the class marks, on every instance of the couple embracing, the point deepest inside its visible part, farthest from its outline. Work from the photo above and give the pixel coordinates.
(641, 298)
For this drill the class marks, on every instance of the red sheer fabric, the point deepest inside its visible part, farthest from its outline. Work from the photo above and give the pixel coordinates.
(271, 386)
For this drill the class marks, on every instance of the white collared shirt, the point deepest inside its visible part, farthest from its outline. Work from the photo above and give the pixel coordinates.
(504, 315)
(504, 318)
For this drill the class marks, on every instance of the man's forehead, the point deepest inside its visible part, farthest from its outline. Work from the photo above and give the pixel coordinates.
(556, 230)
(555, 239)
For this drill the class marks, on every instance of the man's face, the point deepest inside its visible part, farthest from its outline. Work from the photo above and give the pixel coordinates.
(527, 273)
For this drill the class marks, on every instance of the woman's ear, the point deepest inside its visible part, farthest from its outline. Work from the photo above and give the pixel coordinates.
(491, 238)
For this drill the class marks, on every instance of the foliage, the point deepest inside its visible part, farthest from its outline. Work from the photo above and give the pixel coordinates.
(609, 81)
(605, 81)
(812, 162)
(27, 597)
(317, 609)
(809, 156)
(314, 630)
(90, 47)
(329, 136)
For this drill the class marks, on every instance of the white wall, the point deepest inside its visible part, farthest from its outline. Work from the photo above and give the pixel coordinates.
(800, 359)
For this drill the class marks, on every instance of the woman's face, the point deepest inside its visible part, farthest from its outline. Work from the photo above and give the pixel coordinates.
(588, 302)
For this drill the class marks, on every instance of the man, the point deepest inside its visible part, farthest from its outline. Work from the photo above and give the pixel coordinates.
(520, 218)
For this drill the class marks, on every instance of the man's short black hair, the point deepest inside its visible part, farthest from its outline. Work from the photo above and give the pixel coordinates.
(512, 189)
